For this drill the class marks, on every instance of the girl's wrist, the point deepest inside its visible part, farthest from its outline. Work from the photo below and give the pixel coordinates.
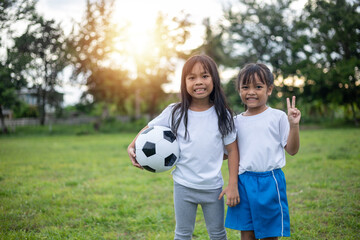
(232, 183)
(294, 125)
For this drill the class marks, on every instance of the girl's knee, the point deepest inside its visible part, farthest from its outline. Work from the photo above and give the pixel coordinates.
(248, 235)
(182, 236)
(218, 235)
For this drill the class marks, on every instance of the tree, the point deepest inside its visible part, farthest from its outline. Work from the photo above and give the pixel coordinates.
(220, 50)
(159, 61)
(40, 55)
(8, 98)
(258, 32)
(314, 55)
(330, 46)
(11, 11)
(92, 46)
(214, 44)
(262, 32)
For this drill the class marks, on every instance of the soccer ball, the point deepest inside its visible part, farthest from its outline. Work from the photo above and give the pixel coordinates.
(156, 149)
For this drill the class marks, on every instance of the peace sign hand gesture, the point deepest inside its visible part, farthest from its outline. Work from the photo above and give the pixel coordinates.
(294, 114)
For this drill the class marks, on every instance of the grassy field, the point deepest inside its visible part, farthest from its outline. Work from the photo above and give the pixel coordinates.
(84, 187)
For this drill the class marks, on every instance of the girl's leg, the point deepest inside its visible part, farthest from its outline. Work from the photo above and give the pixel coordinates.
(247, 235)
(185, 213)
(214, 216)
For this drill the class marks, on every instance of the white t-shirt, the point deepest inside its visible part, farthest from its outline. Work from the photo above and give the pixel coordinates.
(261, 140)
(201, 154)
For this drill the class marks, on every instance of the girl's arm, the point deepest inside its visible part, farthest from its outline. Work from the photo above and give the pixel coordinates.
(231, 191)
(294, 115)
(131, 150)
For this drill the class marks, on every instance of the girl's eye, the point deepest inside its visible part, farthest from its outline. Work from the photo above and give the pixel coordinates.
(259, 87)
(206, 76)
(190, 78)
(244, 87)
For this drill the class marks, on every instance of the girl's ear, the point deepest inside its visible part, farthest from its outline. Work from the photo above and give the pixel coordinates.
(269, 90)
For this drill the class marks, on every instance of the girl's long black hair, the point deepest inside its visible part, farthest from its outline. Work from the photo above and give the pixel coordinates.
(217, 97)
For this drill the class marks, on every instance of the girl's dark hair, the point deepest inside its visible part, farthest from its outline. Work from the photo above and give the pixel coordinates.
(217, 97)
(247, 75)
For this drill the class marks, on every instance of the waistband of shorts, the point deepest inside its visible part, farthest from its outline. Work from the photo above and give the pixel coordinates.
(262, 174)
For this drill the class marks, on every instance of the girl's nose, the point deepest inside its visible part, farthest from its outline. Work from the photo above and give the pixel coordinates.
(251, 91)
(198, 81)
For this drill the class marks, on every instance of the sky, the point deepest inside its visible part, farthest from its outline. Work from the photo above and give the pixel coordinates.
(142, 14)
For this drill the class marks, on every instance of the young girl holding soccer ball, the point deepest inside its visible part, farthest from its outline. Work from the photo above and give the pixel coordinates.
(203, 124)
(263, 135)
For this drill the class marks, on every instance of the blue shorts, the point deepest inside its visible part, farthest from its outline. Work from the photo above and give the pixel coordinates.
(263, 205)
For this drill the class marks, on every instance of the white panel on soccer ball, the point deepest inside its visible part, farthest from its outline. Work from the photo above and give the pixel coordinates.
(165, 148)
(140, 157)
(157, 162)
(154, 135)
(142, 138)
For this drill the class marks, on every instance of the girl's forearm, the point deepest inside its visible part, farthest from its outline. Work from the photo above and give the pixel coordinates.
(293, 143)
(132, 144)
(233, 163)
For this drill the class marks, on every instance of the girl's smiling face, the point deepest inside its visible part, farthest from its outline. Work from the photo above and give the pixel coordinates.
(199, 83)
(254, 95)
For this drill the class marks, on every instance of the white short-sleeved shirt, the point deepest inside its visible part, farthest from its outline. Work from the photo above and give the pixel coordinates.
(261, 140)
(201, 154)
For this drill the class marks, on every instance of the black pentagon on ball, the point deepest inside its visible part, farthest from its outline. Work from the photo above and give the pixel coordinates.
(168, 135)
(149, 168)
(170, 160)
(149, 149)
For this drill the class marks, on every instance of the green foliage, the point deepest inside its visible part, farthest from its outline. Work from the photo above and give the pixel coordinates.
(330, 39)
(8, 86)
(110, 125)
(23, 110)
(39, 56)
(11, 11)
(91, 45)
(95, 42)
(214, 45)
(155, 66)
(84, 187)
(233, 97)
(261, 32)
(320, 47)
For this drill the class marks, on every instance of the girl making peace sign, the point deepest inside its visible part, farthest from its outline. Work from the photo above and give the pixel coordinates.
(263, 135)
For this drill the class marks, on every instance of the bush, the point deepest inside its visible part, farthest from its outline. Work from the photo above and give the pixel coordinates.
(109, 126)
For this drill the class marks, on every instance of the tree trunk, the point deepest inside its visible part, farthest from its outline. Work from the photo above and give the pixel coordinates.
(137, 104)
(354, 114)
(43, 107)
(104, 116)
(41, 96)
(3, 126)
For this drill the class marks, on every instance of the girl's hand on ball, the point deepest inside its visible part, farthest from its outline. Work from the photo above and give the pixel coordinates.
(132, 155)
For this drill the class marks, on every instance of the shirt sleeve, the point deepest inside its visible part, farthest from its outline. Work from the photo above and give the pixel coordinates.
(284, 129)
(164, 119)
(231, 137)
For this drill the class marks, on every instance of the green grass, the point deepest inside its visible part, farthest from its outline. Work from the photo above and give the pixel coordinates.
(84, 187)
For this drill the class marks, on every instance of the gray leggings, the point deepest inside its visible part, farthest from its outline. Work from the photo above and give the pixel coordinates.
(186, 201)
